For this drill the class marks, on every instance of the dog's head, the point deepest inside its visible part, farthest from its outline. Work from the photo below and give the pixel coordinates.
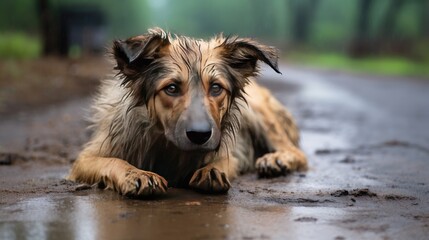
(190, 87)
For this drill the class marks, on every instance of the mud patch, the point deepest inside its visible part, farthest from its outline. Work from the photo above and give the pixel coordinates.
(364, 192)
(394, 197)
(306, 219)
(33, 179)
(339, 238)
(8, 159)
(55, 155)
(375, 229)
(83, 187)
(247, 191)
(5, 159)
(62, 186)
(348, 160)
(369, 148)
(421, 217)
(302, 201)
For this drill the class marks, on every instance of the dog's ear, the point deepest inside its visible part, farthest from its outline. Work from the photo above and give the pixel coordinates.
(242, 55)
(133, 54)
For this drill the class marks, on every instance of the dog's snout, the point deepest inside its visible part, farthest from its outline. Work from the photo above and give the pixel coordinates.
(198, 121)
(199, 131)
(199, 137)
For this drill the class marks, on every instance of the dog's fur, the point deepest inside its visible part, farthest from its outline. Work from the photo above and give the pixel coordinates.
(188, 112)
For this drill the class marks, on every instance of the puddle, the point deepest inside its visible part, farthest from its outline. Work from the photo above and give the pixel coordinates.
(104, 215)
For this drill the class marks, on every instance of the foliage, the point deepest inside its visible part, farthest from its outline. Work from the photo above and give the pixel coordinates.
(394, 66)
(205, 18)
(18, 15)
(394, 27)
(19, 46)
(124, 18)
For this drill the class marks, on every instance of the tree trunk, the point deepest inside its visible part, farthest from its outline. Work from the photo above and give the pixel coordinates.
(46, 27)
(361, 44)
(303, 12)
(424, 18)
(365, 7)
(389, 20)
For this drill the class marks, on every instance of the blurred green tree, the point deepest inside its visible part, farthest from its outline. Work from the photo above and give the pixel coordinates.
(302, 14)
(361, 44)
(359, 26)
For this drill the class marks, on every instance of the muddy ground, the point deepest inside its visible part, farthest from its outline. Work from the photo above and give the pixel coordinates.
(367, 140)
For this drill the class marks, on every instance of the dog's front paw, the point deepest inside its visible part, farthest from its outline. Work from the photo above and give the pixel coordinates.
(141, 183)
(210, 180)
(274, 164)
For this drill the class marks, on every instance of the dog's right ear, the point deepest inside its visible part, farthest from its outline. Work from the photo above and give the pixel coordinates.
(133, 54)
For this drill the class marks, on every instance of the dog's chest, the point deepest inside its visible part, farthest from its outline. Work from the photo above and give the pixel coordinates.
(176, 166)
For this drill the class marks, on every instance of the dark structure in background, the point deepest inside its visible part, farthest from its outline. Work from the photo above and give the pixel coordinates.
(361, 44)
(302, 19)
(45, 17)
(80, 29)
(387, 39)
(364, 28)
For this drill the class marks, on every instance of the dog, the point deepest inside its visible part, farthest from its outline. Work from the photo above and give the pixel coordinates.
(186, 113)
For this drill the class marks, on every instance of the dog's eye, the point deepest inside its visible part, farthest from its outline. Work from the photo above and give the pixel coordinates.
(215, 90)
(172, 89)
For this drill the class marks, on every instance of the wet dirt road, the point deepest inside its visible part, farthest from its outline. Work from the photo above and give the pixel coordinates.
(366, 138)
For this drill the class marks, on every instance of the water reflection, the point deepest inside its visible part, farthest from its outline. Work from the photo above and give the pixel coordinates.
(84, 218)
(184, 214)
(38, 218)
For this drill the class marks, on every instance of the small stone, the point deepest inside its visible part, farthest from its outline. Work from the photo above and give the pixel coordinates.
(193, 203)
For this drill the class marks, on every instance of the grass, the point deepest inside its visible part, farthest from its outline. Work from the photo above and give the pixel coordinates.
(19, 46)
(391, 66)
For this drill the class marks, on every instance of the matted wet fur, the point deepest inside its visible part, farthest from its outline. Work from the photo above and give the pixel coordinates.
(187, 112)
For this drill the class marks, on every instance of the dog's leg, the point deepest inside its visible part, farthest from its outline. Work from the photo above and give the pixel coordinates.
(216, 175)
(282, 161)
(280, 134)
(285, 156)
(117, 174)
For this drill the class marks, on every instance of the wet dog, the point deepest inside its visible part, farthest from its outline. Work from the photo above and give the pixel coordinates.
(187, 112)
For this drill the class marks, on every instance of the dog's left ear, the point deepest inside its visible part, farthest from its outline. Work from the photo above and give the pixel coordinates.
(242, 55)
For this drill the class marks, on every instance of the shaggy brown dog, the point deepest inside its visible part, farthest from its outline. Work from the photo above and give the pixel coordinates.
(188, 112)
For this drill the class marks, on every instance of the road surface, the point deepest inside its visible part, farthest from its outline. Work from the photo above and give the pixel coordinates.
(367, 140)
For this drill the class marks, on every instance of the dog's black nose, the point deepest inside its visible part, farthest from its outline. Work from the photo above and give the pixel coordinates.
(198, 137)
